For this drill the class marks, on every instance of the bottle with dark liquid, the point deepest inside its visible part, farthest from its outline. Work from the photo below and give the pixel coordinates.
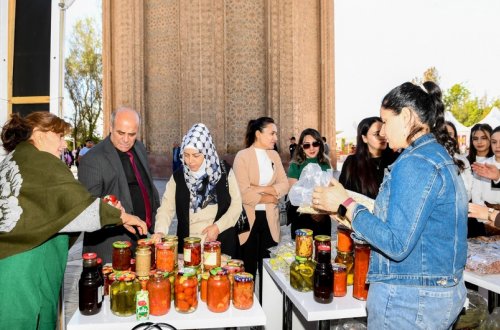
(323, 276)
(90, 286)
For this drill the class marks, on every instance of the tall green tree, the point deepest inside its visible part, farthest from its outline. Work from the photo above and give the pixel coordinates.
(83, 79)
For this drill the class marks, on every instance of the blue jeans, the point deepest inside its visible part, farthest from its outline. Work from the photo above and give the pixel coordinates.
(414, 307)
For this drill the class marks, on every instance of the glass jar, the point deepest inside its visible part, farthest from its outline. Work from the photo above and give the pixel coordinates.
(344, 240)
(232, 269)
(321, 240)
(142, 260)
(204, 286)
(237, 263)
(159, 293)
(90, 286)
(218, 291)
(123, 292)
(186, 291)
(301, 274)
(361, 262)
(151, 244)
(107, 269)
(323, 276)
(304, 243)
(143, 281)
(121, 256)
(339, 280)
(175, 241)
(165, 256)
(243, 291)
(211, 255)
(192, 251)
(346, 258)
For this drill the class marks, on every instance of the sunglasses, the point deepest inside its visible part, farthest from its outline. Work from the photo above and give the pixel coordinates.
(315, 144)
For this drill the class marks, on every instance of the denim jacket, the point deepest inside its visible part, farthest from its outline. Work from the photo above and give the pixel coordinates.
(418, 231)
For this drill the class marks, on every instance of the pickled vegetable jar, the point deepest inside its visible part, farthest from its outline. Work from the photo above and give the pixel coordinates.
(165, 256)
(186, 291)
(339, 280)
(149, 242)
(159, 293)
(243, 291)
(218, 291)
(361, 262)
(344, 240)
(204, 286)
(320, 240)
(211, 255)
(122, 293)
(301, 274)
(192, 251)
(121, 255)
(142, 260)
(175, 241)
(304, 243)
(346, 258)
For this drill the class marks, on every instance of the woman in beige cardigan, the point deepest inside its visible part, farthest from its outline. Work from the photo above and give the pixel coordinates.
(262, 181)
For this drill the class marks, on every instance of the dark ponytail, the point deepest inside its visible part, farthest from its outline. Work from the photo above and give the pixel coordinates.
(15, 131)
(255, 125)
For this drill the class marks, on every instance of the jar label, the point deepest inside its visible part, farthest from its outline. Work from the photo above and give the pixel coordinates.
(187, 255)
(210, 258)
(142, 307)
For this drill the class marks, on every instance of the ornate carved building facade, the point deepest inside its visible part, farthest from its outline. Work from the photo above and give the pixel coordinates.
(220, 62)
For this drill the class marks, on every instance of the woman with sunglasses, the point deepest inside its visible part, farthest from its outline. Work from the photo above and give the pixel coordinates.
(310, 150)
(363, 171)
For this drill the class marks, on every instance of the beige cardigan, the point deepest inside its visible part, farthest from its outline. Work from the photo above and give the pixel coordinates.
(246, 169)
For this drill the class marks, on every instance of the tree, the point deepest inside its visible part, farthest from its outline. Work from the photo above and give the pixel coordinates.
(83, 79)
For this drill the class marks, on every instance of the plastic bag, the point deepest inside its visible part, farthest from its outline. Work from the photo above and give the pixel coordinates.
(483, 255)
(312, 176)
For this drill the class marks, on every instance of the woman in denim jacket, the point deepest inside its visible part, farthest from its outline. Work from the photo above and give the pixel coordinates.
(419, 227)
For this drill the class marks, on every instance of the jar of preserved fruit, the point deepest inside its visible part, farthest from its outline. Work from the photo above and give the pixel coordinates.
(304, 243)
(192, 251)
(323, 276)
(211, 255)
(165, 256)
(159, 293)
(123, 292)
(344, 240)
(301, 274)
(142, 260)
(361, 262)
(90, 286)
(243, 290)
(175, 241)
(151, 244)
(346, 258)
(186, 291)
(218, 291)
(339, 280)
(232, 269)
(204, 286)
(237, 263)
(321, 240)
(121, 255)
(106, 270)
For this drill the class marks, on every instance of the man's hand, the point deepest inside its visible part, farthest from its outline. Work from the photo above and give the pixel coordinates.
(130, 221)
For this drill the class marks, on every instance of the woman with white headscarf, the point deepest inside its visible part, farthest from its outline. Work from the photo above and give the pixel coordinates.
(203, 193)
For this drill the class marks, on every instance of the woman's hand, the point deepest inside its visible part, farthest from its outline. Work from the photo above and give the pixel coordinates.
(130, 221)
(488, 171)
(268, 199)
(478, 211)
(156, 237)
(329, 198)
(212, 232)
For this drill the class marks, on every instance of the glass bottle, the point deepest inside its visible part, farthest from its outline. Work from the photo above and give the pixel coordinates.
(344, 240)
(192, 251)
(123, 292)
(323, 276)
(90, 286)
(301, 274)
(243, 291)
(321, 240)
(361, 262)
(339, 280)
(211, 255)
(186, 291)
(122, 255)
(304, 243)
(159, 293)
(142, 260)
(165, 256)
(346, 258)
(218, 291)
(151, 244)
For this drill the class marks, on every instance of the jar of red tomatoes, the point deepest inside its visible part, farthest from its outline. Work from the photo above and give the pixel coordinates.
(192, 251)
(361, 262)
(121, 255)
(151, 244)
(159, 293)
(211, 255)
(165, 256)
(321, 240)
(204, 286)
(186, 291)
(339, 280)
(344, 240)
(232, 269)
(218, 291)
(243, 291)
(175, 241)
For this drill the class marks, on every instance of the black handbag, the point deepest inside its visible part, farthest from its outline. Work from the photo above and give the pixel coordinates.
(242, 225)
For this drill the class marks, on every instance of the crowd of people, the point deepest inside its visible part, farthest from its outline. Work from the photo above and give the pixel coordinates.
(428, 200)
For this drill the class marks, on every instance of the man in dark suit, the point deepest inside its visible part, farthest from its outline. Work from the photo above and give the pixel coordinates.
(118, 166)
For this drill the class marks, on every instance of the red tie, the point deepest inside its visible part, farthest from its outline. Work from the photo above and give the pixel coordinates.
(144, 191)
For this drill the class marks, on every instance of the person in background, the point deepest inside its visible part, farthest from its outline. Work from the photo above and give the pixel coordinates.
(119, 166)
(327, 147)
(465, 168)
(479, 143)
(262, 181)
(418, 231)
(176, 157)
(41, 202)
(292, 147)
(310, 150)
(204, 195)
(363, 171)
(88, 145)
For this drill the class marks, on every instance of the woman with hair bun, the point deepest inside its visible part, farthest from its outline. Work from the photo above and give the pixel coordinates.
(418, 231)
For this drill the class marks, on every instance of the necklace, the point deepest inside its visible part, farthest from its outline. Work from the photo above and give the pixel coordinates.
(377, 162)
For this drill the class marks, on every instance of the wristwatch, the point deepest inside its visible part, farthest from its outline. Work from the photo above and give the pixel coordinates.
(342, 210)
(490, 212)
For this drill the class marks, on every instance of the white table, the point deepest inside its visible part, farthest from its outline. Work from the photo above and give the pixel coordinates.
(202, 318)
(277, 294)
(488, 282)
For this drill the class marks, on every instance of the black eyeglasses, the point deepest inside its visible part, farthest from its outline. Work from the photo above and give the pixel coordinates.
(315, 144)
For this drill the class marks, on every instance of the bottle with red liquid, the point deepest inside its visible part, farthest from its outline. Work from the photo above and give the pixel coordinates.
(323, 276)
(90, 286)
(361, 262)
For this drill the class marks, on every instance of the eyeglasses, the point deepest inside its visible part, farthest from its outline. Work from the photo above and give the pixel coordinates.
(315, 144)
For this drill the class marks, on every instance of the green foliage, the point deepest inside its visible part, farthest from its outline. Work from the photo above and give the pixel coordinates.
(83, 79)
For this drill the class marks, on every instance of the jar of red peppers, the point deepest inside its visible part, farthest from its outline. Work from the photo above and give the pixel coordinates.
(192, 251)
(175, 241)
(204, 286)
(304, 243)
(186, 291)
(121, 255)
(344, 240)
(151, 244)
(165, 256)
(361, 262)
(159, 293)
(339, 280)
(218, 291)
(211, 255)
(232, 269)
(243, 291)
(320, 240)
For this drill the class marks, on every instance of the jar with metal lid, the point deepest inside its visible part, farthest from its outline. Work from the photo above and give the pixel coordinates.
(142, 260)
(243, 290)
(90, 286)
(344, 240)
(339, 280)
(304, 243)
(301, 274)
(175, 241)
(192, 251)
(159, 293)
(204, 285)
(106, 270)
(186, 291)
(211, 255)
(323, 276)
(165, 256)
(151, 244)
(346, 258)
(123, 292)
(121, 255)
(320, 240)
(361, 262)
(218, 291)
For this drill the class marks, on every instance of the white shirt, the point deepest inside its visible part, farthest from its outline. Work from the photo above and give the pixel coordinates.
(266, 170)
(481, 187)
